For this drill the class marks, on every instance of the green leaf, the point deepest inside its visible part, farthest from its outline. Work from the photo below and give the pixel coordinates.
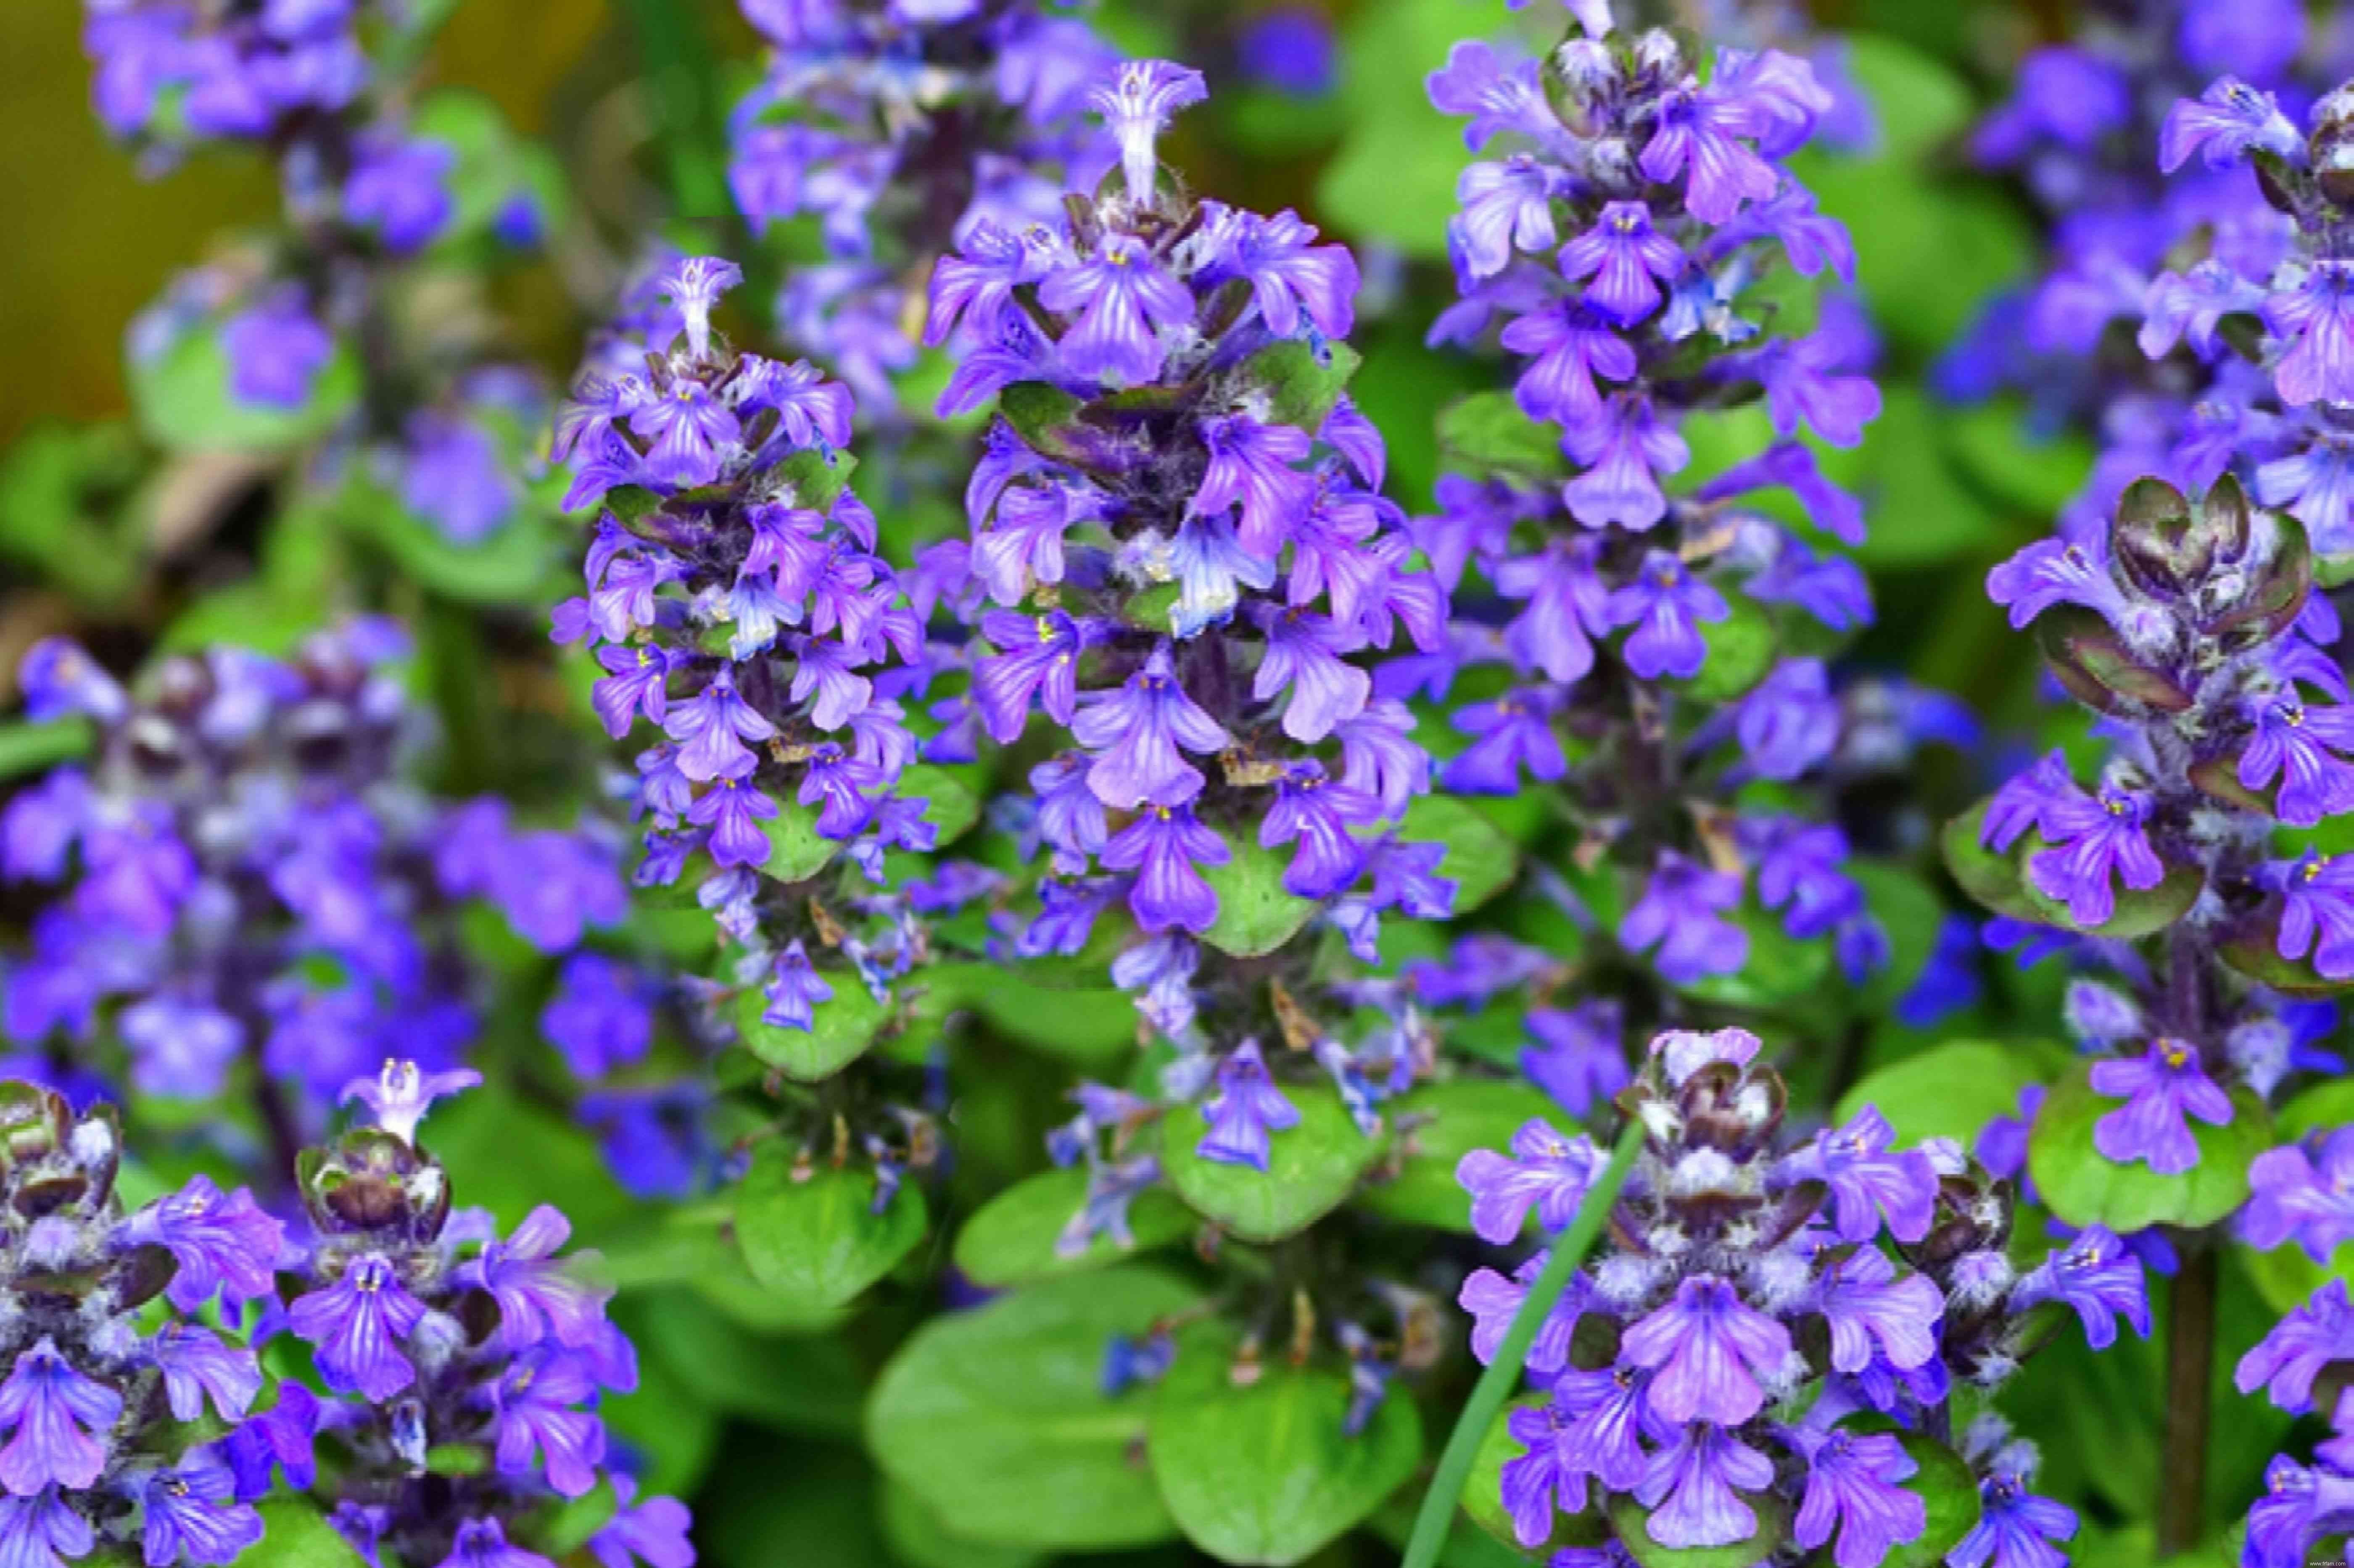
(996, 1420)
(1310, 1169)
(816, 478)
(1393, 178)
(841, 1028)
(950, 803)
(1469, 1114)
(182, 399)
(1011, 1240)
(2085, 1187)
(2037, 472)
(1086, 1023)
(1740, 650)
(295, 1535)
(1631, 1521)
(818, 1242)
(1302, 383)
(1922, 513)
(1480, 859)
(30, 746)
(797, 851)
(1951, 1090)
(1910, 912)
(511, 565)
(920, 1538)
(1992, 879)
(1950, 1491)
(804, 1382)
(1488, 433)
(1256, 914)
(1266, 1474)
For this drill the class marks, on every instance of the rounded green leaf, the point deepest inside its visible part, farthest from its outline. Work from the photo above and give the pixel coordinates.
(182, 399)
(1992, 879)
(1310, 1169)
(797, 851)
(1950, 1492)
(841, 1028)
(1631, 1521)
(2085, 1187)
(1487, 432)
(921, 1539)
(295, 1535)
(1479, 859)
(1256, 914)
(1011, 1240)
(510, 566)
(817, 1243)
(1951, 1090)
(996, 1420)
(1472, 1113)
(1266, 1474)
(1740, 650)
(950, 803)
(1909, 912)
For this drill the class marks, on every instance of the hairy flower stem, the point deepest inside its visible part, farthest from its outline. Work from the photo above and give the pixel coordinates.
(1503, 1373)
(2190, 1382)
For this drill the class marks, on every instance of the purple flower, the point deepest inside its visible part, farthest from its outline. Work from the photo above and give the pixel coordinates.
(2316, 319)
(536, 1295)
(533, 1404)
(2301, 1196)
(1494, 1301)
(2055, 571)
(2299, 1505)
(1574, 348)
(2097, 1278)
(59, 1420)
(1789, 721)
(191, 1517)
(711, 728)
(1037, 659)
(1869, 1308)
(1623, 449)
(1251, 465)
(653, 1532)
(1127, 305)
(1867, 1180)
(1318, 815)
(1290, 275)
(1852, 1485)
(1507, 207)
(1698, 137)
(601, 1016)
(2288, 1361)
(2303, 747)
(2222, 123)
(356, 1323)
(1515, 732)
(483, 1543)
(1580, 1058)
(401, 1094)
(281, 1436)
(1663, 604)
(1546, 1172)
(1709, 1349)
(693, 284)
(43, 1530)
(195, 1365)
(1136, 104)
(399, 190)
(2161, 1087)
(2318, 912)
(1304, 656)
(1539, 1482)
(636, 681)
(1693, 1488)
(223, 1244)
(1136, 732)
(1679, 913)
(276, 350)
(793, 990)
(2015, 1528)
(1567, 604)
(1245, 1108)
(2095, 837)
(1166, 847)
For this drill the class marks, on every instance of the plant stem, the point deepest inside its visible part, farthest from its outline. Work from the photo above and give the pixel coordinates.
(1496, 1383)
(2189, 1383)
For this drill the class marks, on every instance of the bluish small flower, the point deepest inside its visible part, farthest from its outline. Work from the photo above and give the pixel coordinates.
(2318, 912)
(401, 1094)
(2303, 1192)
(1246, 1106)
(2094, 1276)
(1871, 1312)
(58, 1421)
(2095, 837)
(276, 349)
(1665, 605)
(1580, 1056)
(1693, 1488)
(2304, 747)
(397, 190)
(1136, 732)
(537, 1298)
(1680, 914)
(1127, 307)
(1166, 847)
(794, 988)
(1868, 1178)
(2015, 1528)
(1136, 103)
(1852, 1487)
(356, 1325)
(191, 1517)
(2161, 1088)
(1710, 1353)
(1546, 1172)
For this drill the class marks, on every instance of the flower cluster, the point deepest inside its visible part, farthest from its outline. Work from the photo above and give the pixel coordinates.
(735, 599)
(2193, 630)
(1768, 1348)
(1652, 651)
(2077, 132)
(104, 1352)
(900, 129)
(432, 1334)
(322, 330)
(2301, 1367)
(260, 895)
